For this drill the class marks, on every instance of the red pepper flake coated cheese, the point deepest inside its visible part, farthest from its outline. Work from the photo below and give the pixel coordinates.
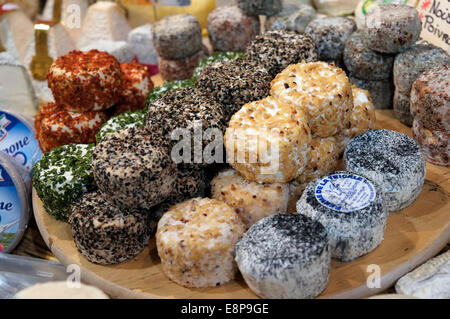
(56, 126)
(85, 81)
(430, 99)
(230, 29)
(137, 84)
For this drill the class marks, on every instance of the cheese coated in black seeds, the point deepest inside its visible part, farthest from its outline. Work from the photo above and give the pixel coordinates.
(105, 234)
(133, 169)
(234, 83)
(277, 49)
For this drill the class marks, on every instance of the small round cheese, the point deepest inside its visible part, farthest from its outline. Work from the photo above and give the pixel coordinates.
(252, 201)
(392, 160)
(435, 144)
(267, 141)
(321, 90)
(381, 91)
(402, 108)
(285, 256)
(260, 7)
(105, 234)
(60, 290)
(293, 17)
(196, 241)
(351, 208)
(133, 169)
(180, 69)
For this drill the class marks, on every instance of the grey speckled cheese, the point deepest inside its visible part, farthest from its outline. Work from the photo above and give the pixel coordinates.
(276, 50)
(392, 28)
(402, 108)
(392, 160)
(381, 91)
(177, 36)
(429, 281)
(330, 34)
(141, 41)
(105, 234)
(285, 256)
(133, 169)
(260, 7)
(364, 63)
(409, 65)
(352, 210)
(293, 17)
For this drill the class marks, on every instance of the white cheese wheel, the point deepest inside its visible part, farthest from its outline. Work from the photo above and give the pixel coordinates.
(61, 290)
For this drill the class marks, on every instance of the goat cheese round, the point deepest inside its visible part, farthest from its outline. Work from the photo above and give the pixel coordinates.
(381, 91)
(105, 234)
(321, 90)
(392, 28)
(62, 176)
(402, 108)
(293, 17)
(133, 169)
(352, 210)
(216, 57)
(275, 50)
(120, 122)
(167, 86)
(285, 256)
(136, 85)
(196, 241)
(434, 144)
(252, 201)
(85, 81)
(392, 160)
(260, 7)
(177, 36)
(180, 69)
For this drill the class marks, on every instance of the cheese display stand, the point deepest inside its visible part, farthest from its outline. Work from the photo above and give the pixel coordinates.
(239, 149)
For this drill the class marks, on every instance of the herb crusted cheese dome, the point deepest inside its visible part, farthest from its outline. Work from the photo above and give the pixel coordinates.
(62, 176)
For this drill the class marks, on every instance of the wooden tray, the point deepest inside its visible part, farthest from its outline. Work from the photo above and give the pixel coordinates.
(412, 236)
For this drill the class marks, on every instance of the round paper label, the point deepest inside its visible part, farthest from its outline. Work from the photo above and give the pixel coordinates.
(345, 192)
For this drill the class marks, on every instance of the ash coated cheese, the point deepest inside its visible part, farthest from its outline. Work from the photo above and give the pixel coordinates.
(275, 50)
(434, 144)
(104, 20)
(167, 86)
(62, 176)
(293, 17)
(260, 7)
(234, 83)
(105, 234)
(177, 36)
(16, 31)
(402, 109)
(381, 91)
(133, 169)
(85, 81)
(141, 41)
(192, 112)
(322, 158)
(321, 90)
(55, 126)
(330, 34)
(392, 28)
(409, 65)
(390, 159)
(121, 50)
(136, 85)
(252, 201)
(196, 240)
(285, 256)
(430, 99)
(180, 69)
(364, 63)
(216, 57)
(267, 141)
(120, 122)
(351, 208)
(230, 29)
(17, 93)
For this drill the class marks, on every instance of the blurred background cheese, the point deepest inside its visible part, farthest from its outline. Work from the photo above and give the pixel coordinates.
(16, 92)
(104, 21)
(16, 30)
(336, 7)
(364, 6)
(29, 7)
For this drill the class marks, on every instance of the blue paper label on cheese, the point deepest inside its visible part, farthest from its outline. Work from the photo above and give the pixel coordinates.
(10, 210)
(18, 141)
(345, 192)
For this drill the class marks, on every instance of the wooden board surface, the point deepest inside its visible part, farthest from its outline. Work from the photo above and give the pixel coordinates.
(412, 236)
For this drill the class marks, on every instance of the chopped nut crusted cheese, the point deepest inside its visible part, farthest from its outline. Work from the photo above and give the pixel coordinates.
(252, 201)
(322, 156)
(86, 81)
(267, 141)
(321, 90)
(62, 176)
(196, 241)
(56, 126)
